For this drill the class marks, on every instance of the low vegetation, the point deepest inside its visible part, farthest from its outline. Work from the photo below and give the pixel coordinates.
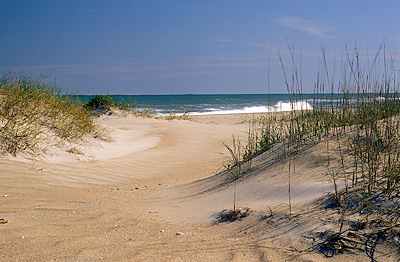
(106, 105)
(100, 103)
(32, 111)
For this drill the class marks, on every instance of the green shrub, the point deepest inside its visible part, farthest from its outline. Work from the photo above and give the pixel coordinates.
(102, 102)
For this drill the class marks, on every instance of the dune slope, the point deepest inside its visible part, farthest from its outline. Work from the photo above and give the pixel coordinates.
(152, 195)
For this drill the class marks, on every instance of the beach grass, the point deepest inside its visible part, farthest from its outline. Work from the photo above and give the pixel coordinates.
(358, 121)
(32, 111)
(357, 117)
(362, 125)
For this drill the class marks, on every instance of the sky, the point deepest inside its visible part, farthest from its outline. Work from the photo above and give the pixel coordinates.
(188, 46)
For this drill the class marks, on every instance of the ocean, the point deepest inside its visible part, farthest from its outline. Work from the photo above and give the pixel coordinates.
(219, 104)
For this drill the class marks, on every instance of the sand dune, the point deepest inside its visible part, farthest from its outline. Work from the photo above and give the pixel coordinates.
(152, 195)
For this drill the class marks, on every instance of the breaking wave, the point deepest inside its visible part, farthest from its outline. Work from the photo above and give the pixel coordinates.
(278, 107)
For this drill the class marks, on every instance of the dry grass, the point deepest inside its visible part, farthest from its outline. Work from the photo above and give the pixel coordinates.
(31, 111)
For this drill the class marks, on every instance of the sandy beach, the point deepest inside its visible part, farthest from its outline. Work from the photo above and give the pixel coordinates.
(153, 194)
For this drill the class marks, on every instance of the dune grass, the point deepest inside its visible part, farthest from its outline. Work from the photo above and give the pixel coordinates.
(32, 111)
(357, 117)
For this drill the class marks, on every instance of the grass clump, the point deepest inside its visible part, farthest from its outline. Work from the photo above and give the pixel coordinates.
(100, 102)
(32, 111)
(104, 104)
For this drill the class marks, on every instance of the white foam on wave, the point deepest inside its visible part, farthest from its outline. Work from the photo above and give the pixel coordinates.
(289, 106)
(278, 107)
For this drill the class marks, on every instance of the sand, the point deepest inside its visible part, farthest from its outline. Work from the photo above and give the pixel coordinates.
(153, 194)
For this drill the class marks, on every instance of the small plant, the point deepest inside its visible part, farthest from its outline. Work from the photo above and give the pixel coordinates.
(336, 197)
(173, 116)
(100, 102)
(252, 147)
(240, 157)
(233, 164)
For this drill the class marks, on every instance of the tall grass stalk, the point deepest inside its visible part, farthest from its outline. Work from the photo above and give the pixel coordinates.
(239, 159)
(233, 164)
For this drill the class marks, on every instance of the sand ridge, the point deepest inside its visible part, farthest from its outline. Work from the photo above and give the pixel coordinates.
(152, 195)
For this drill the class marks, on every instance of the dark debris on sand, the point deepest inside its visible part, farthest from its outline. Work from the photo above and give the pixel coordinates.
(232, 215)
(371, 227)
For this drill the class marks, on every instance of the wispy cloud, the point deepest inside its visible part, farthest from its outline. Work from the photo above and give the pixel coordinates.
(221, 40)
(149, 69)
(104, 11)
(257, 45)
(269, 46)
(158, 75)
(308, 26)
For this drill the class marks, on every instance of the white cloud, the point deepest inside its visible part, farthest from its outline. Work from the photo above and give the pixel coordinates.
(311, 27)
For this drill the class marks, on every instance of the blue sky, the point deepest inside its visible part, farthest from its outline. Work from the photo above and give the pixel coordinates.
(186, 46)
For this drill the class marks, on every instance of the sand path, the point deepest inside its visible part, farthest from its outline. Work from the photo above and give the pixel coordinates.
(127, 200)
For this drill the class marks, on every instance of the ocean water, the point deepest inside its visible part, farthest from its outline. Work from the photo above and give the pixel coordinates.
(221, 104)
